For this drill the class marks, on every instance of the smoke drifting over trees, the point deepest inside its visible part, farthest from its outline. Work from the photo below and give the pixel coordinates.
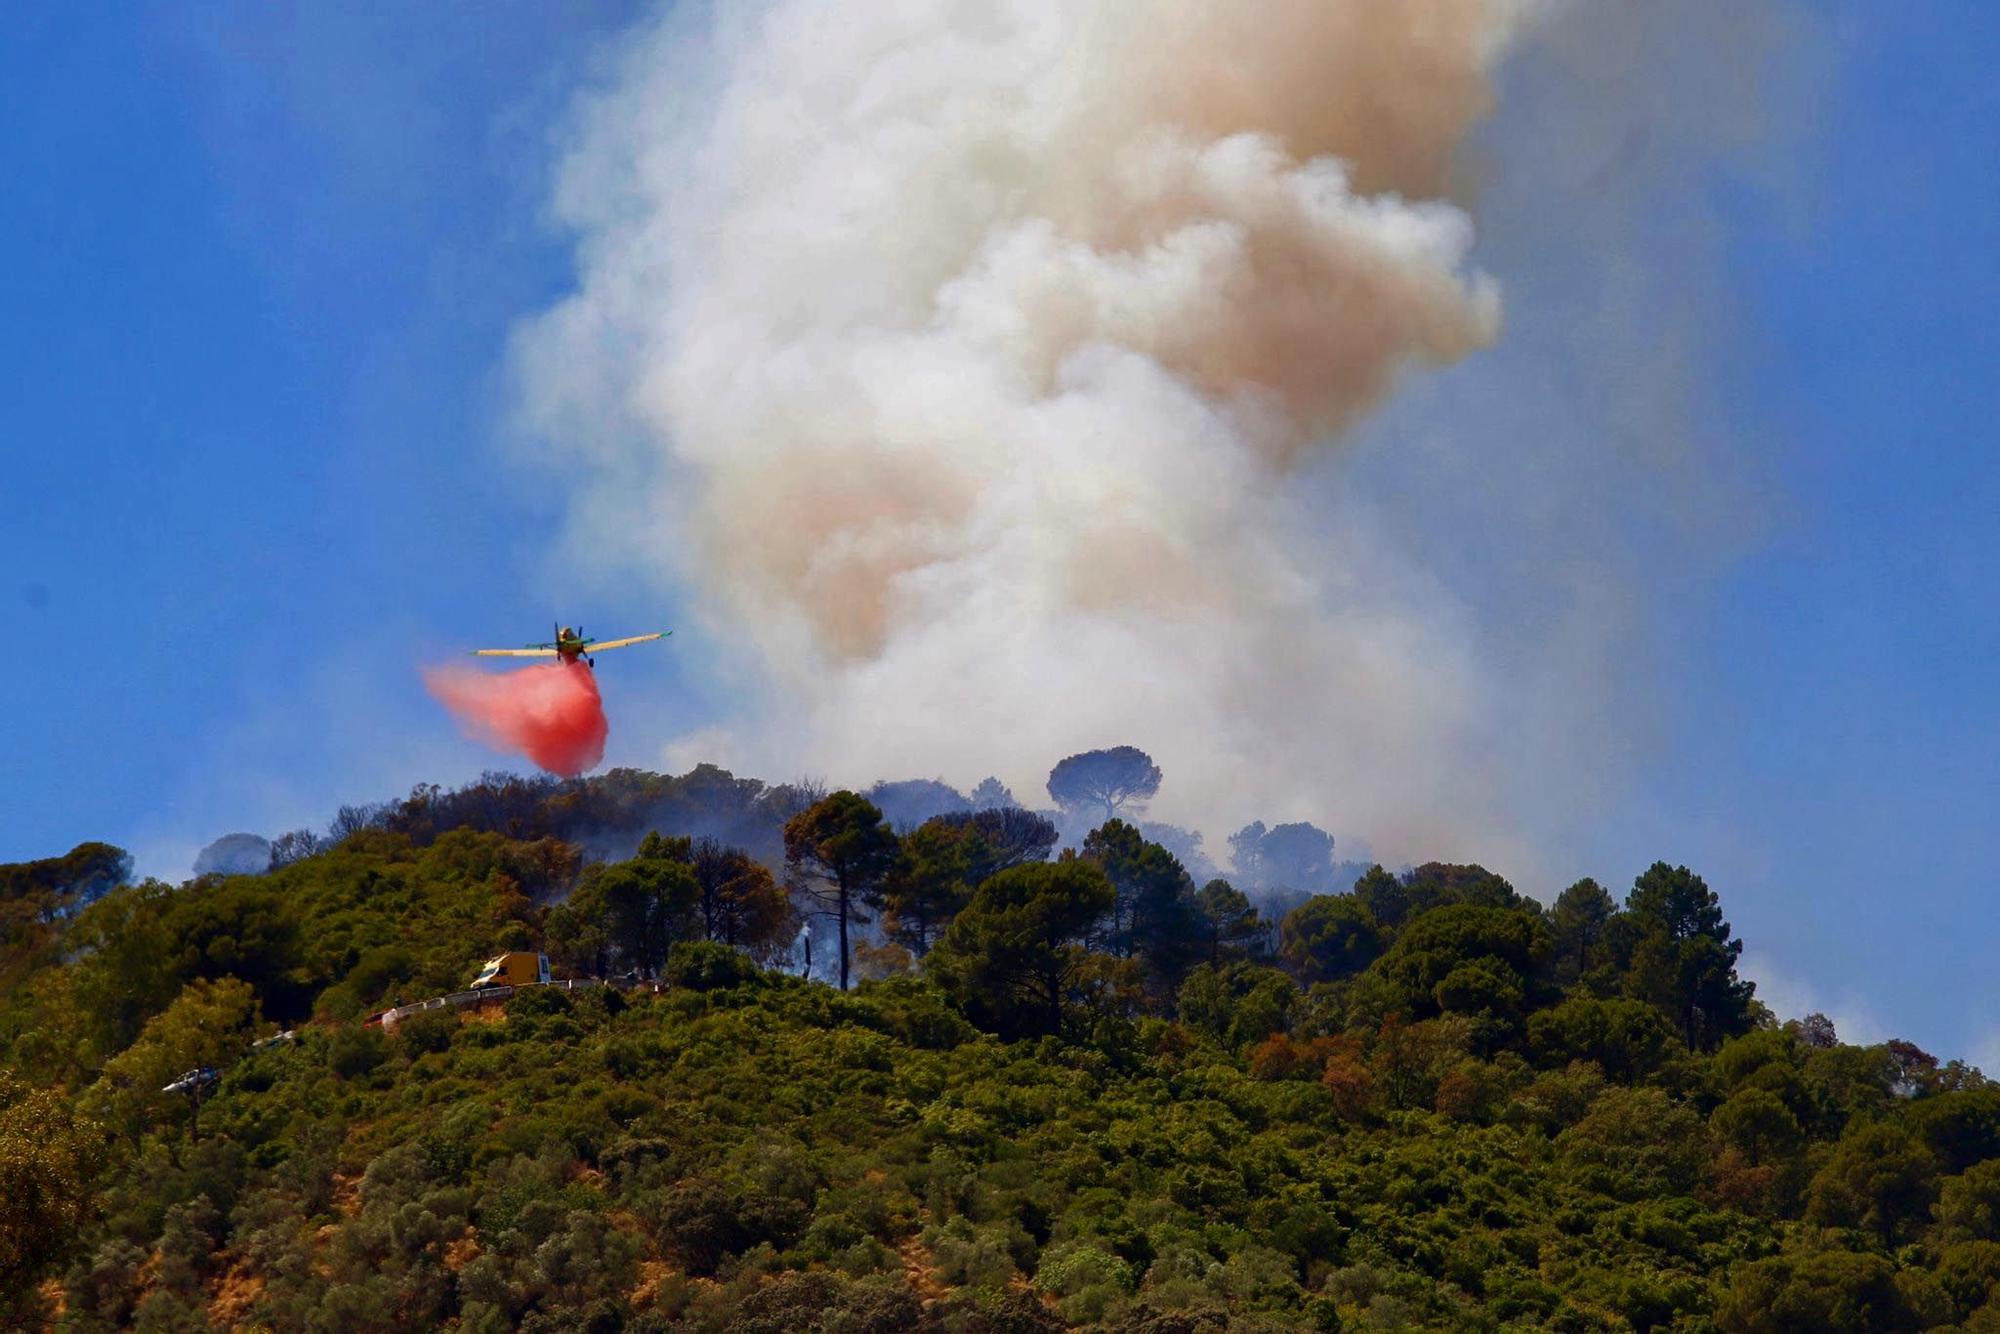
(983, 368)
(1032, 450)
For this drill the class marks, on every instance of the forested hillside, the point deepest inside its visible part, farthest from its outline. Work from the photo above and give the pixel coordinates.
(1026, 1071)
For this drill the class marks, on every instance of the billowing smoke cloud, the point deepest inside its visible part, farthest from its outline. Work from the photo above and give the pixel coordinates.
(963, 356)
(552, 714)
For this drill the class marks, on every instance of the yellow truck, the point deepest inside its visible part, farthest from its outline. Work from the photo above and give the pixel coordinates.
(513, 970)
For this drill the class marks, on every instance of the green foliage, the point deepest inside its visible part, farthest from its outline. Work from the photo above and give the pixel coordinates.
(209, 1024)
(1440, 885)
(1879, 1177)
(1239, 1004)
(352, 1051)
(1577, 924)
(85, 872)
(839, 852)
(638, 909)
(1629, 1039)
(1469, 960)
(50, 1158)
(739, 902)
(707, 965)
(1685, 958)
(1961, 1127)
(1837, 1291)
(941, 862)
(1384, 896)
(1435, 1108)
(703, 1222)
(1015, 958)
(1330, 937)
(1635, 1144)
(1757, 1122)
(930, 883)
(1229, 923)
(40, 892)
(1153, 914)
(1968, 1204)
(1087, 1277)
(422, 919)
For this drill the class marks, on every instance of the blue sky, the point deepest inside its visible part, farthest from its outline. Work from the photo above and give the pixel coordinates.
(262, 264)
(1834, 767)
(262, 277)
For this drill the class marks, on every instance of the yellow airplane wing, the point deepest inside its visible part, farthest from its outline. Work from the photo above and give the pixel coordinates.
(626, 643)
(513, 653)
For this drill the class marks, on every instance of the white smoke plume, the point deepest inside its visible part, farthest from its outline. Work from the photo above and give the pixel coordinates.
(963, 357)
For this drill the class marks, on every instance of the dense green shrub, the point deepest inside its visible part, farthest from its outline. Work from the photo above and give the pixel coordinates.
(707, 965)
(1102, 1102)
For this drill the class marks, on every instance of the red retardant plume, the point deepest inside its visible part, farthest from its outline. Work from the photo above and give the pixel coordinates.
(551, 714)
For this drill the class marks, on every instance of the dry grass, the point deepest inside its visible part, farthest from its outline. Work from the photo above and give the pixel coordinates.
(920, 1270)
(235, 1293)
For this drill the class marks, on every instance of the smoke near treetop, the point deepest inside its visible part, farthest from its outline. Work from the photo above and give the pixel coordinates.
(964, 359)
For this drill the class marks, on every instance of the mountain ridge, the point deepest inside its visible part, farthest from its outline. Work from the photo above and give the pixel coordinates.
(1070, 1088)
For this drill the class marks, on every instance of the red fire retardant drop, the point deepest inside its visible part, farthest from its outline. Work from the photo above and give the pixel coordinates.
(552, 714)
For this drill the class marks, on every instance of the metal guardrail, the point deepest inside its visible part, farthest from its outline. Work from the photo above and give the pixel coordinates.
(458, 999)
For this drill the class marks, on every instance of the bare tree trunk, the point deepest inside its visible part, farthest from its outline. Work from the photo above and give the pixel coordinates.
(843, 933)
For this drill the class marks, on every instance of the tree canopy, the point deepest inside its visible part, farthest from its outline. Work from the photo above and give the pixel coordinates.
(1067, 1093)
(1109, 780)
(1016, 957)
(839, 851)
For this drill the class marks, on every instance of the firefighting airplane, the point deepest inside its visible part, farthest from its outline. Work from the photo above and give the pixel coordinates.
(569, 645)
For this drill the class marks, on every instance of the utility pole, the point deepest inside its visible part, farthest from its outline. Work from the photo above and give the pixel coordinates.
(195, 1083)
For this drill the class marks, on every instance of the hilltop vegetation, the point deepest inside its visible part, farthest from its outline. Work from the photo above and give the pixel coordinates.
(1066, 1088)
